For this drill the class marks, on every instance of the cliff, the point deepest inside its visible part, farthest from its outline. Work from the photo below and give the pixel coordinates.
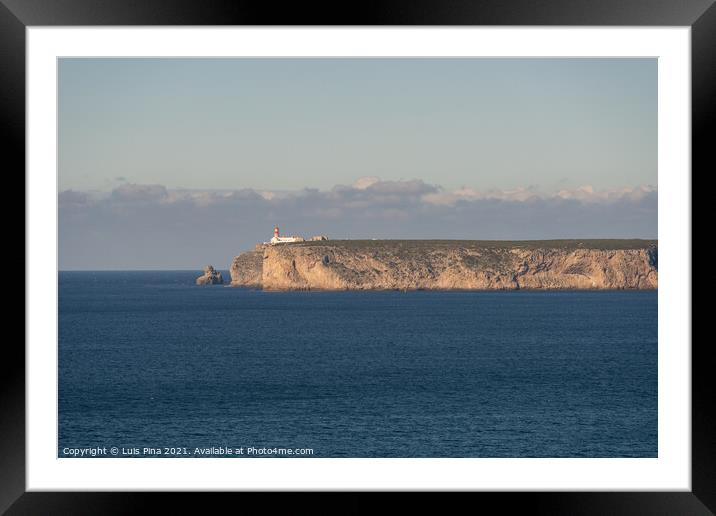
(247, 268)
(449, 265)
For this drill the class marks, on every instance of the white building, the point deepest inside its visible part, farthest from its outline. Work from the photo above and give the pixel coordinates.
(278, 239)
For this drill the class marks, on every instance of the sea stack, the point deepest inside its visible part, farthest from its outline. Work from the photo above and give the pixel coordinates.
(210, 277)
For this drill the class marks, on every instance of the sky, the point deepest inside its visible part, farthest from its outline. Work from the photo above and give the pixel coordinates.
(176, 163)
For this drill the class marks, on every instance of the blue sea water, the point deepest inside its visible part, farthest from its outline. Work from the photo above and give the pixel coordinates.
(149, 360)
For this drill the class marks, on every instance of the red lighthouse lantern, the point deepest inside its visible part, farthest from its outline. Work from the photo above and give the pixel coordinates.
(275, 231)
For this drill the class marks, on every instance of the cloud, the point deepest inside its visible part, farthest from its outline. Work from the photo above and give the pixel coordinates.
(137, 226)
(586, 194)
(73, 197)
(364, 182)
(450, 198)
(132, 192)
(207, 198)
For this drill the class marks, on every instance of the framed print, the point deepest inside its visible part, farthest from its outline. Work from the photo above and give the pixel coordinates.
(272, 252)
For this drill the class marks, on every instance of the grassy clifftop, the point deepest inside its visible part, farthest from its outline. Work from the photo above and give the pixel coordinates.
(597, 244)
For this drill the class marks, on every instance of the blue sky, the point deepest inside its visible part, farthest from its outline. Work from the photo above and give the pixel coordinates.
(390, 148)
(294, 123)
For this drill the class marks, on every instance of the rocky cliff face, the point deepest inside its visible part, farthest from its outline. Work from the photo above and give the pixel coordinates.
(460, 265)
(247, 268)
(210, 277)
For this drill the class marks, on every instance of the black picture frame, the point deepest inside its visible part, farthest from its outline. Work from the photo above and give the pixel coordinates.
(700, 15)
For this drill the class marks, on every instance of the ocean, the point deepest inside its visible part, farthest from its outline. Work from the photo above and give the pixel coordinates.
(152, 365)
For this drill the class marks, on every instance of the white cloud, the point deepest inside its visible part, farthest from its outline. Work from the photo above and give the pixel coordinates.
(364, 182)
(365, 192)
(586, 194)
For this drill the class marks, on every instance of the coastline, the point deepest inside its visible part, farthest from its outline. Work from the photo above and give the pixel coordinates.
(458, 265)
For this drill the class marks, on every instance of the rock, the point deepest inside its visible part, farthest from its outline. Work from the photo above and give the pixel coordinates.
(449, 265)
(246, 269)
(210, 277)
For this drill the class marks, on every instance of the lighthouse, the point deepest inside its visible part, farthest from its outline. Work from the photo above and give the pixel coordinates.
(278, 239)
